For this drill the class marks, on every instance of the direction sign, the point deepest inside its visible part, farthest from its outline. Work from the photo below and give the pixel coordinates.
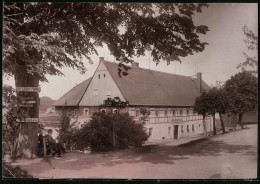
(28, 89)
(29, 102)
(30, 120)
(26, 105)
(26, 98)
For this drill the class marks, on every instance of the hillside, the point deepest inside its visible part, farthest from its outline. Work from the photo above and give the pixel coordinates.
(45, 102)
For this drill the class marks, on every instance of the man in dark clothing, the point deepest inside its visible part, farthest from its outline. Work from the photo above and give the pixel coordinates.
(40, 144)
(54, 147)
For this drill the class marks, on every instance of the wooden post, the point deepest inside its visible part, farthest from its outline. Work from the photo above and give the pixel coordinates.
(44, 146)
(28, 133)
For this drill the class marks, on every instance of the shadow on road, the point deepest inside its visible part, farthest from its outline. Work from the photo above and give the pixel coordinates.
(154, 154)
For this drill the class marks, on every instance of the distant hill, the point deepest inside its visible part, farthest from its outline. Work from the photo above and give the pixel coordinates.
(45, 102)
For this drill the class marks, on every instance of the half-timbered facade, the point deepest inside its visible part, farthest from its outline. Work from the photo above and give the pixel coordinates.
(169, 98)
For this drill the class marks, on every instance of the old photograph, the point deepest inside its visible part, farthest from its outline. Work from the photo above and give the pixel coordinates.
(98, 90)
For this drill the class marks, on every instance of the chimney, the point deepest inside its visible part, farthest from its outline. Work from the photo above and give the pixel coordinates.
(199, 81)
(101, 59)
(135, 64)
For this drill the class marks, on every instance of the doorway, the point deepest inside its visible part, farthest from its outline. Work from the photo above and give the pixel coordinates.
(175, 135)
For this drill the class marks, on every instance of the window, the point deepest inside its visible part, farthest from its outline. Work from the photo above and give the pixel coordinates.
(156, 112)
(181, 112)
(95, 92)
(169, 130)
(173, 112)
(165, 112)
(188, 128)
(199, 125)
(182, 130)
(108, 92)
(192, 127)
(103, 110)
(150, 131)
(86, 112)
(115, 111)
(137, 113)
(104, 75)
(99, 76)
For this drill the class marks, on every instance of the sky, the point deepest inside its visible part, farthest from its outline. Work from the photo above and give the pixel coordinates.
(218, 62)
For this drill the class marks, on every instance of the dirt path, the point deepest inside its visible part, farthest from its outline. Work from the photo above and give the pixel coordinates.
(231, 155)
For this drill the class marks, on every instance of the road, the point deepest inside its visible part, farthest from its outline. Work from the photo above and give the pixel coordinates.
(230, 155)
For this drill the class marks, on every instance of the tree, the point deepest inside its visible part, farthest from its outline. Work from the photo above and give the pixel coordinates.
(68, 128)
(41, 38)
(252, 44)
(218, 104)
(100, 131)
(12, 115)
(201, 107)
(241, 90)
(112, 104)
(221, 104)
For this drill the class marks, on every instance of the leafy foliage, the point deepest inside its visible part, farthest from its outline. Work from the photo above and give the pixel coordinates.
(241, 90)
(99, 132)
(252, 44)
(207, 104)
(38, 33)
(211, 102)
(201, 104)
(67, 130)
(114, 103)
(12, 114)
(14, 172)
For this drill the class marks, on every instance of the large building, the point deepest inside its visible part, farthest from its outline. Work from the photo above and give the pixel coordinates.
(169, 97)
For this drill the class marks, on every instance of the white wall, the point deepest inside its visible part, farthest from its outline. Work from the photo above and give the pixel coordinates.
(160, 130)
(102, 85)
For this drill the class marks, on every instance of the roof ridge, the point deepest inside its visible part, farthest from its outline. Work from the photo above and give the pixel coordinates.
(149, 69)
(85, 89)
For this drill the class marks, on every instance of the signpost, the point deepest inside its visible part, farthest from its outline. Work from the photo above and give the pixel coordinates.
(28, 89)
(28, 101)
(27, 105)
(30, 120)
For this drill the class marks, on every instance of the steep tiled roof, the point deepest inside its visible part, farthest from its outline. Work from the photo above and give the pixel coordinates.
(73, 97)
(149, 87)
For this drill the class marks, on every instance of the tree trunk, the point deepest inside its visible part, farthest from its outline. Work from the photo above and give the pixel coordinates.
(204, 126)
(28, 133)
(214, 124)
(235, 122)
(222, 123)
(240, 115)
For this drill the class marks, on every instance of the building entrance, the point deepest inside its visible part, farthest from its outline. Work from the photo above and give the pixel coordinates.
(175, 134)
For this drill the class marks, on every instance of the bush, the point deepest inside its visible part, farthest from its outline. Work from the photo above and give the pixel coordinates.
(98, 133)
(67, 131)
(11, 113)
(14, 172)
